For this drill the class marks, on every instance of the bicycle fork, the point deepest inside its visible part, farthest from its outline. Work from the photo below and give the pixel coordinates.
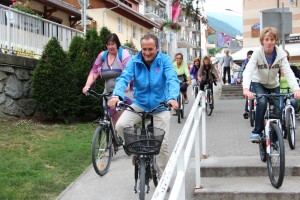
(136, 174)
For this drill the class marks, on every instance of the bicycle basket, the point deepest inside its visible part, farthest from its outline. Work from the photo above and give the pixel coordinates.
(148, 144)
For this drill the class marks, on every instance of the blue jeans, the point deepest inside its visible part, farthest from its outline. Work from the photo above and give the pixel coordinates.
(261, 105)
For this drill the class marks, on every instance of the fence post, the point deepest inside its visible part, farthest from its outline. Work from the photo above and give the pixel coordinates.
(204, 156)
(197, 147)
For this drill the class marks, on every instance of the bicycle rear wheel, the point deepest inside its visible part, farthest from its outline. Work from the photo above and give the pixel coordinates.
(142, 179)
(290, 128)
(209, 103)
(276, 158)
(101, 151)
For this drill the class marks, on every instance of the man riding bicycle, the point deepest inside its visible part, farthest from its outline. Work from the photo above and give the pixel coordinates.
(262, 69)
(155, 81)
(183, 74)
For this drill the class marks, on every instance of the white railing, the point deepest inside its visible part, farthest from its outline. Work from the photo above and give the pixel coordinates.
(189, 137)
(22, 33)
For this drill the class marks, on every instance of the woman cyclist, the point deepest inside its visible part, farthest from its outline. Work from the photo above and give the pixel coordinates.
(194, 71)
(109, 66)
(183, 75)
(207, 73)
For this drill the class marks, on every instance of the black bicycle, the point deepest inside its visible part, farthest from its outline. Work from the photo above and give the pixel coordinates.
(271, 145)
(105, 141)
(144, 142)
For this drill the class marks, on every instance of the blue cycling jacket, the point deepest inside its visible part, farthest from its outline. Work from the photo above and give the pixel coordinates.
(150, 86)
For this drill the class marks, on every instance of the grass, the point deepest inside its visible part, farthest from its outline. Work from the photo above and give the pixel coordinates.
(38, 161)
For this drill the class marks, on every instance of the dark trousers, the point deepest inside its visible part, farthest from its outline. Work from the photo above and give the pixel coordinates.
(261, 105)
(226, 70)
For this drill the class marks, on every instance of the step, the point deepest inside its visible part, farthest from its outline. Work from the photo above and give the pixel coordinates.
(245, 188)
(246, 177)
(242, 166)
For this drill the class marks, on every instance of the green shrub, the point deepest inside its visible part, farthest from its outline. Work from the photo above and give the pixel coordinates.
(54, 84)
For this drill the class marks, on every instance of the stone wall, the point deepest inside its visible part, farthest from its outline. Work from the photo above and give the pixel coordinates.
(15, 86)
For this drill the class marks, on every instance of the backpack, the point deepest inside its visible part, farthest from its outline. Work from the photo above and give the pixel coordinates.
(120, 51)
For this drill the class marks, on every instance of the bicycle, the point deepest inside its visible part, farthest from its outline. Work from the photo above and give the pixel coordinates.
(105, 142)
(145, 143)
(271, 145)
(288, 120)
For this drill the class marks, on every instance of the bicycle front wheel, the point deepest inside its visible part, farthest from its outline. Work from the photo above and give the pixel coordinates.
(262, 149)
(251, 113)
(290, 128)
(142, 179)
(276, 158)
(209, 103)
(180, 103)
(101, 151)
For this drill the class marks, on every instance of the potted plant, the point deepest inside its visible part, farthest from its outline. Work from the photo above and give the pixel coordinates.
(174, 26)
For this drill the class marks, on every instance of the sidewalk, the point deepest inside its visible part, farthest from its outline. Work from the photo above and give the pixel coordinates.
(227, 142)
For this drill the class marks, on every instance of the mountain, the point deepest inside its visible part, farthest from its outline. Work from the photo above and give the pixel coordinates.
(229, 24)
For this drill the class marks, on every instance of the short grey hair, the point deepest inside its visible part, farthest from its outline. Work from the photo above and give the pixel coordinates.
(150, 36)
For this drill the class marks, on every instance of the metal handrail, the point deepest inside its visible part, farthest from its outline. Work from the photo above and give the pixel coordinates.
(182, 151)
(28, 34)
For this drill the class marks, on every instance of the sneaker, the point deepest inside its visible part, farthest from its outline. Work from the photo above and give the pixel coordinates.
(254, 138)
(186, 100)
(246, 115)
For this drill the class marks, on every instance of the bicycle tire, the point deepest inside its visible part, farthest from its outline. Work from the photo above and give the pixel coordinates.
(179, 101)
(276, 160)
(154, 171)
(290, 128)
(101, 151)
(262, 149)
(142, 179)
(209, 103)
(251, 113)
(182, 110)
(196, 91)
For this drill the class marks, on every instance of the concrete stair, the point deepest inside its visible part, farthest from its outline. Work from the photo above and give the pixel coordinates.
(232, 92)
(246, 177)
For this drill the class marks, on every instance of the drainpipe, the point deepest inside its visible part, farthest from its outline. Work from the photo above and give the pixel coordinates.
(107, 9)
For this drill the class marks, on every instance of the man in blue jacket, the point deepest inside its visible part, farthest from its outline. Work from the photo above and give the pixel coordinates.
(155, 81)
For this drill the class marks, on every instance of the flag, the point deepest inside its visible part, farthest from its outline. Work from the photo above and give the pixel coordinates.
(175, 11)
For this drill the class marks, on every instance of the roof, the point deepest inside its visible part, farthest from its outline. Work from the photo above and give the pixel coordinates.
(293, 49)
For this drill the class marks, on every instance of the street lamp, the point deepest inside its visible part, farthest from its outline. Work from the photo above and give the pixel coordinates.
(84, 5)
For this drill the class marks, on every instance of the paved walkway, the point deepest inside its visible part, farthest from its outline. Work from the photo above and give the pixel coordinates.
(227, 136)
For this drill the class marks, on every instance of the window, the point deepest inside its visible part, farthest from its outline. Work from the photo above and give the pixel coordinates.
(134, 35)
(120, 25)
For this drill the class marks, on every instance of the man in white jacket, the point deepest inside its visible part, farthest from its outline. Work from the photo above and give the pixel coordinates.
(262, 69)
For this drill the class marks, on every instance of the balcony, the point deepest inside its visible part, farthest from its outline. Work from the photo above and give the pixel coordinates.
(26, 35)
(184, 41)
(152, 12)
(191, 26)
(163, 17)
(182, 21)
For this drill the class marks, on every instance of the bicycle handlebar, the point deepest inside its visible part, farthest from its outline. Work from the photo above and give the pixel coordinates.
(122, 104)
(96, 95)
(288, 95)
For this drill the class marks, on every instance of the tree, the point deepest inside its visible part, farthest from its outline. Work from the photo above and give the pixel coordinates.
(54, 84)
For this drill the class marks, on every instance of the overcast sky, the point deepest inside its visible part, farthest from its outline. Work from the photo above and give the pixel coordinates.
(221, 5)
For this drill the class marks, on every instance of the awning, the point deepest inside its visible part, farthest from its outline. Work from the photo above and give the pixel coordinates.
(293, 49)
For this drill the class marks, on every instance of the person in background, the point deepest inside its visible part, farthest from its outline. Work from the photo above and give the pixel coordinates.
(240, 78)
(194, 71)
(207, 73)
(183, 75)
(109, 68)
(155, 81)
(262, 73)
(227, 63)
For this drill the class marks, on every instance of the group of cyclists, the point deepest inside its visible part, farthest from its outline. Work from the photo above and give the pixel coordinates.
(151, 77)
